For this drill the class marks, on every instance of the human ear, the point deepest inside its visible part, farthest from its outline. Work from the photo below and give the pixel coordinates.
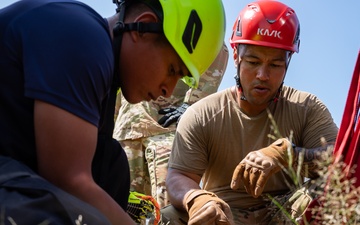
(235, 57)
(145, 17)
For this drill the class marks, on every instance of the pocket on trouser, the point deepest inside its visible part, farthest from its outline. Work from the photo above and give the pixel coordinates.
(139, 173)
(254, 217)
(157, 154)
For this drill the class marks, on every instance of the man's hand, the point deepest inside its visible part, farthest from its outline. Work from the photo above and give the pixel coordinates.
(171, 114)
(206, 208)
(256, 168)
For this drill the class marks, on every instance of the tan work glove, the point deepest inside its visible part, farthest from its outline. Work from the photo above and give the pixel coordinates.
(301, 200)
(205, 207)
(256, 168)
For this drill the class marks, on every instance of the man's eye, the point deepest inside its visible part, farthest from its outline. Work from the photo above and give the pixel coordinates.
(172, 70)
(253, 63)
(182, 74)
(277, 65)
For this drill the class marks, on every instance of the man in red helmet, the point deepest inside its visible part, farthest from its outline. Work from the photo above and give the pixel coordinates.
(228, 158)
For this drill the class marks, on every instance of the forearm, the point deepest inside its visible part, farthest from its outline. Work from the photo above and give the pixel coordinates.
(178, 184)
(91, 193)
(62, 139)
(310, 159)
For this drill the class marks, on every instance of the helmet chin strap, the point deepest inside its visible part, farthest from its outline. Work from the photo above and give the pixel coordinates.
(238, 83)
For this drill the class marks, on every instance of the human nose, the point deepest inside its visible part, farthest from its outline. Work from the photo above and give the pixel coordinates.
(167, 90)
(263, 73)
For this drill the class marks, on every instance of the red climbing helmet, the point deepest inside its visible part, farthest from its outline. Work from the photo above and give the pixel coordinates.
(267, 23)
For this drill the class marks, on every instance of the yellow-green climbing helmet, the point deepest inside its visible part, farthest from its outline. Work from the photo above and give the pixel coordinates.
(196, 30)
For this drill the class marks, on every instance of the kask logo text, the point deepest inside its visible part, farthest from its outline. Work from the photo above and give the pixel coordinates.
(269, 33)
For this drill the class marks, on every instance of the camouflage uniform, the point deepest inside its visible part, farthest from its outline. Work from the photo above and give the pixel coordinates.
(148, 144)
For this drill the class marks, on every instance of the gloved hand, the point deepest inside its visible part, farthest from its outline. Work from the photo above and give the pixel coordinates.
(171, 114)
(256, 168)
(301, 200)
(205, 207)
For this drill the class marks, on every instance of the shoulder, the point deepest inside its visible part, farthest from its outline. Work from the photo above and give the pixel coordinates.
(55, 15)
(303, 114)
(46, 7)
(59, 23)
(302, 103)
(299, 98)
(213, 101)
(209, 107)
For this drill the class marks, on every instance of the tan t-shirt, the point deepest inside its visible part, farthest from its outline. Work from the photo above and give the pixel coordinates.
(214, 135)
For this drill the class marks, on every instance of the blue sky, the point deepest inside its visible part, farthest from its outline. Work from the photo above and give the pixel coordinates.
(329, 44)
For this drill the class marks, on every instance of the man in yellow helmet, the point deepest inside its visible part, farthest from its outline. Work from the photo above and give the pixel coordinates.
(146, 142)
(61, 65)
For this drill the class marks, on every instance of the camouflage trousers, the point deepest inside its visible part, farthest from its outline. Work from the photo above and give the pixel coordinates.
(172, 216)
(148, 160)
(284, 209)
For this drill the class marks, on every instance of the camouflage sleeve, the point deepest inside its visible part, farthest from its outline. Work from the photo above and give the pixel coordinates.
(117, 104)
(210, 80)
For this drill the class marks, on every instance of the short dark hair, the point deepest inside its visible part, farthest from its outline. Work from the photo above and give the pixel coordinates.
(135, 7)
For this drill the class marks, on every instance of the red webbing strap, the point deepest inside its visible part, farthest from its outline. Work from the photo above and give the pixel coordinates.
(347, 146)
